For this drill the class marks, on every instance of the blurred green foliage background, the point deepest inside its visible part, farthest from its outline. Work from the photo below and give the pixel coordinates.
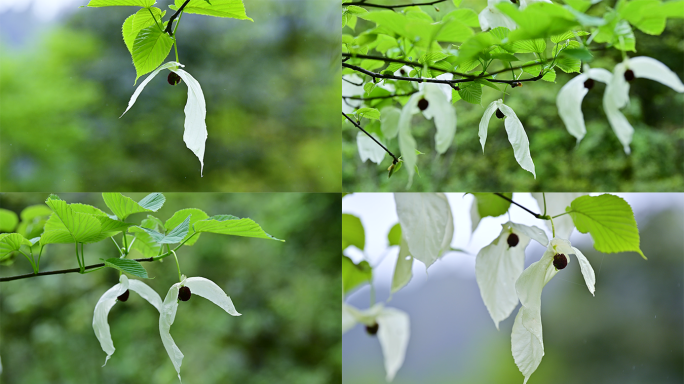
(272, 89)
(630, 332)
(597, 164)
(287, 293)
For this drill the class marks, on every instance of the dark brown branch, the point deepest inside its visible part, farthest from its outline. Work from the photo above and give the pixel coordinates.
(169, 26)
(377, 97)
(400, 61)
(393, 6)
(61, 271)
(395, 159)
(538, 216)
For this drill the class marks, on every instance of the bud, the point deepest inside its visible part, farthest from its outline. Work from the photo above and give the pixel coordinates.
(629, 75)
(173, 78)
(513, 240)
(184, 294)
(423, 104)
(499, 114)
(516, 84)
(589, 84)
(560, 261)
(372, 329)
(123, 296)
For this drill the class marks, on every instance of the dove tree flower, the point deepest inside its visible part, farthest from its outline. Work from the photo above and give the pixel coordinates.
(527, 344)
(195, 135)
(183, 291)
(515, 130)
(491, 17)
(119, 292)
(498, 266)
(392, 327)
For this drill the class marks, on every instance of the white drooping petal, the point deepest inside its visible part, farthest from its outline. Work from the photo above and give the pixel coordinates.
(102, 308)
(146, 293)
(555, 205)
(622, 128)
(444, 115)
(599, 74)
(474, 216)
(587, 270)
(407, 144)
(527, 349)
(569, 103)
(393, 334)
(195, 135)
(525, 3)
(497, 267)
(166, 318)
(491, 17)
(424, 219)
(389, 121)
(349, 88)
(348, 320)
(369, 149)
(518, 139)
(618, 88)
(652, 69)
(212, 292)
(147, 80)
(484, 122)
(533, 232)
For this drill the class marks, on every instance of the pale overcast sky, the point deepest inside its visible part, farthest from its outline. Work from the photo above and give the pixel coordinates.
(45, 10)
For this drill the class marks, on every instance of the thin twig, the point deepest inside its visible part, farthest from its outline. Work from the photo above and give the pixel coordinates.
(363, 2)
(400, 61)
(396, 160)
(173, 17)
(378, 97)
(538, 216)
(61, 271)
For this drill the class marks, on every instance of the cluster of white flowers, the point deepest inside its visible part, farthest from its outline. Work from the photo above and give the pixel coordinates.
(167, 309)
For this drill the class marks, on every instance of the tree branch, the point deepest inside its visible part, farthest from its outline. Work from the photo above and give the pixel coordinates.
(396, 160)
(62, 271)
(392, 7)
(538, 216)
(170, 24)
(378, 97)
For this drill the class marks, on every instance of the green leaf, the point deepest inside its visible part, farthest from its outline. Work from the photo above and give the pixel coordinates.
(123, 206)
(529, 46)
(610, 221)
(231, 225)
(127, 265)
(175, 236)
(472, 93)
(567, 35)
(116, 3)
(673, 9)
(368, 113)
(394, 235)
(10, 242)
(33, 220)
(505, 57)
(355, 9)
(354, 275)
(128, 34)
(352, 232)
(577, 53)
(66, 225)
(488, 205)
(178, 217)
(137, 22)
(143, 241)
(150, 48)
(8, 220)
(403, 269)
(538, 20)
(218, 8)
(568, 64)
(466, 16)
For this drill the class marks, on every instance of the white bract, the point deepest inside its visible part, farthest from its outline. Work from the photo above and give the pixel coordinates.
(349, 88)
(195, 135)
(107, 301)
(491, 17)
(569, 100)
(516, 134)
(527, 343)
(369, 149)
(427, 224)
(617, 91)
(198, 286)
(498, 266)
(393, 331)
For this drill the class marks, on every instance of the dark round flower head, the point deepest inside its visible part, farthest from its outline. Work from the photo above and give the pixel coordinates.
(514, 1)
(560, 261)
(589, 84)
(123, 296)
(173, 78)
(402, 72)
(184, 294)
(499, 114)
(629, 75)
(372, 329)
(516, 84)
(423, 104)
(513, 240)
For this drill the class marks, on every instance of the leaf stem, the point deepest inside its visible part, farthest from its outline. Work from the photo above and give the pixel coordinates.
(544, 196)
(62, 271)
(538, 216)
(155, 20)
(180, 278)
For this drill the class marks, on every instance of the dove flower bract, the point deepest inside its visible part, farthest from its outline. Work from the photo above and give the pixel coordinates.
(195, 135)
(527, 343)
(617, 91)
(198, 286)
(393, 332)
(107, 301)
(491, 17)
(498, 266)
(516, 134)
